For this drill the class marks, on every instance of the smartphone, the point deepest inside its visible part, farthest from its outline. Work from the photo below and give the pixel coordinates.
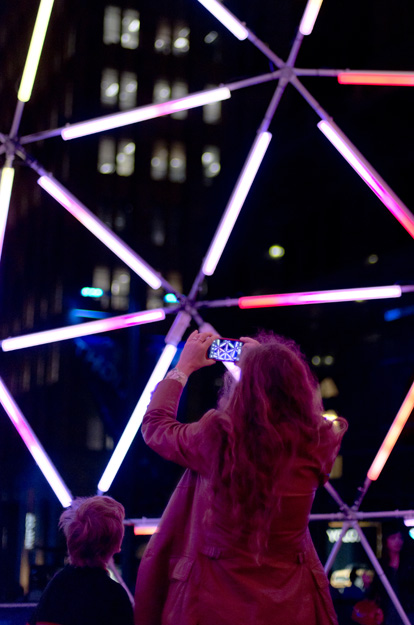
(225, 349)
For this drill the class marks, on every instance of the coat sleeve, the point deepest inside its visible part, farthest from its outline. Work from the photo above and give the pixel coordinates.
(186, 444)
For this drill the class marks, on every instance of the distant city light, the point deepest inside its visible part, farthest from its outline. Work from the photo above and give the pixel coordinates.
(372, 259)
(276, 251)
(316, 360)
(89, 291)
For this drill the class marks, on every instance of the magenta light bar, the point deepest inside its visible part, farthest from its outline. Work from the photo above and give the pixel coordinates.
(392, 79)
(102, 232)
(108, 122)
(368, 174)
(320, 297)
(82, 329)
(6, 185)
(227, 18)
(135, 420)
(236, 202)
(392, 436)
(34, 446)
(309, 17)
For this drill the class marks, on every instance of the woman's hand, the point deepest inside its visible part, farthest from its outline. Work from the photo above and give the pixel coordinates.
(249, 343)
(194, 354)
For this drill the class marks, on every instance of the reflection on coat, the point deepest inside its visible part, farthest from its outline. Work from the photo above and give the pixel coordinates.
(201, 572)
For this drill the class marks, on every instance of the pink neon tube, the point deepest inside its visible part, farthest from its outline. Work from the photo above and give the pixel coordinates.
(135, 420)
(82, 329)
(392, 79)
(319, 297)
(392, 436)
(102, 232)
(108, 122)
(236, 202)
(34, 446)
(368, 174)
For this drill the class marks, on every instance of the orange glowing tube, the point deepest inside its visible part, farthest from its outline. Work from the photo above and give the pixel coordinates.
(393, 79)
(392, 436)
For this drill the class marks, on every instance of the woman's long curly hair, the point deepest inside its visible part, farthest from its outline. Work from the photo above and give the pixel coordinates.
(272, 408)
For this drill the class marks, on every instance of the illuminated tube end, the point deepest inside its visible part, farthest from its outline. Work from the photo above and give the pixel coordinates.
(228, 20)
(309, 17)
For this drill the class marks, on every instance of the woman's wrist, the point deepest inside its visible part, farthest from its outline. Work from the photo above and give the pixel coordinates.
(177, 374)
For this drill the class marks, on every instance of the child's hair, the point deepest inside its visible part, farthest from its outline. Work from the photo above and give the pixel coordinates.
(93, 527)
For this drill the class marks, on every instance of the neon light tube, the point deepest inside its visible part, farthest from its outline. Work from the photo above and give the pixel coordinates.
(135, 420)
(102, 232)
(236, 202)
(392, 79)
(309, 16)
(82, 329)
(368, 174)
(108, 122)
(319, 297)
(34, 446)
(35, 50)
(392, 436)
(226, 18)
(6, 185)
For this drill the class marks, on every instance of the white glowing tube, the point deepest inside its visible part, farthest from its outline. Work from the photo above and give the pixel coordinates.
(309, 17)
(102, 232)
(236, 202)
(142, 113)
(82, 329)
(35, 50)
(392, 436)
(135, 420)
(34, 446)
(224, 16)
(6, 185)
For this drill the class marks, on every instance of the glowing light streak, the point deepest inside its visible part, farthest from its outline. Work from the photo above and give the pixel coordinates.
(320, 297)
(35, 50)
(82, 329)
(392, 436)
(309, 17)
(116, 120)
(102, 232)
(6, 185)
(392, 79)
(227, 18)
(145, 527)
(236, 202)
(135, 420)
(34, 446)
(368, 174)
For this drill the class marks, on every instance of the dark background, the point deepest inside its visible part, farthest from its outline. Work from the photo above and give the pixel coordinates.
(305, 198)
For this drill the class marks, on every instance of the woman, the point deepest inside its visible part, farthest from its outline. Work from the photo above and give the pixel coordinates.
(233, 545)
(82, 593)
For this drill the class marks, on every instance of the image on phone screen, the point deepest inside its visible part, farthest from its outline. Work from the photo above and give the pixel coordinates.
(227, 350)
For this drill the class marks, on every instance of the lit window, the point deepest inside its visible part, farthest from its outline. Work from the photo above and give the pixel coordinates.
(125, 158)
(159, 161)
(162, 91)
(101, 280)
(130, 29)
(211, 161)
(178, 163)
(120, 289)
(181, 42)
(179, 90)
(106, 156)
(112, 25)
(128, 90)
(162, 42)
(212, 112)
(109, 87)
(211, 37)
